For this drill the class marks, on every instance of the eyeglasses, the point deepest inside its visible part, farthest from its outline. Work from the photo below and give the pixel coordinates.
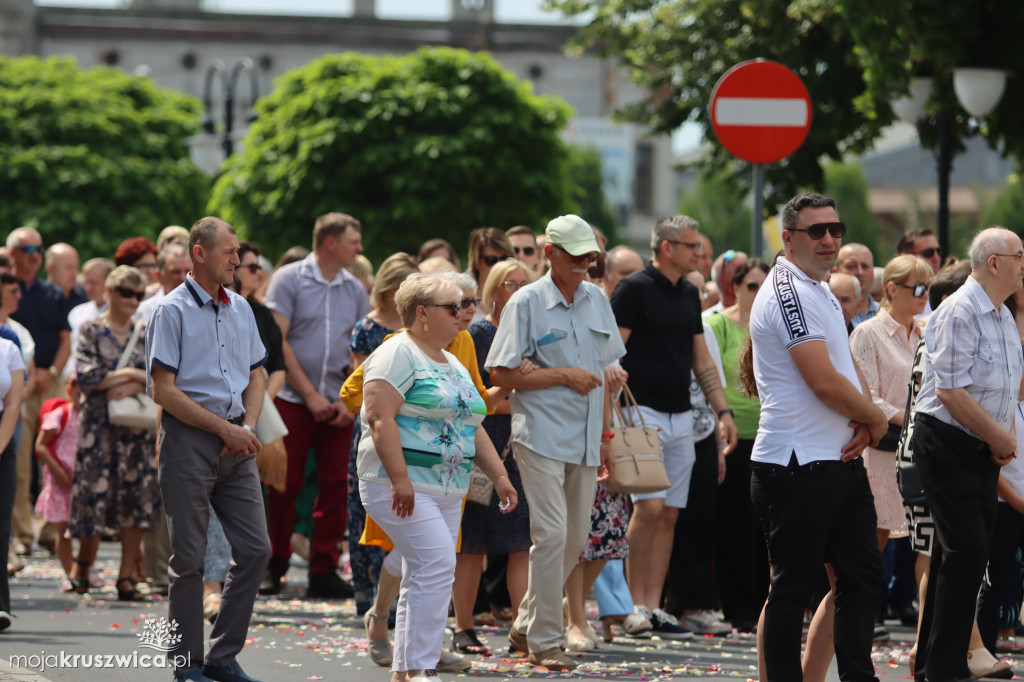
(753, 286)
(252, 267)
(145, 266)
(918, 289)
(817, 230)
(578, 260)
(525, 250)
(8, 278)
(453, 308)
(128, 292)
(512, 286)
(467, 302)
(31, 249)
(1019, 255)
(493, 260)
(696, 246)
(929, 252)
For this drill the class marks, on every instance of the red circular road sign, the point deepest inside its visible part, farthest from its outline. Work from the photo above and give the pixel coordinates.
(760, 111)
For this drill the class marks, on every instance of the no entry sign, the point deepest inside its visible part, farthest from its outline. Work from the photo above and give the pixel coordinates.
(760, 111)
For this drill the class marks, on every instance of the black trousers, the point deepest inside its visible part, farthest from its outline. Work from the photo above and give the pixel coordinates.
(959, 479)
(816, 513)
(741, 557)
(1001, 590)
(8, 483)
(691, 575)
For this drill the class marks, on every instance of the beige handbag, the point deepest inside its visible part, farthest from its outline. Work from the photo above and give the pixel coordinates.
(481, 487)
(272, 463)
(639, 467)
(134, 411)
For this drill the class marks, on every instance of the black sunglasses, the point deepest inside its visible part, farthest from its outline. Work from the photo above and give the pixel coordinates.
(817, 230)
(929, 252)
(466, 302)
(128, 292)
(453, 308)
(8, 278)
(252, 267)
(493, 260)
(526, 250)
(918, 289)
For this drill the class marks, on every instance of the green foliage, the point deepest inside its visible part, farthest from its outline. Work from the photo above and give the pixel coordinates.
(845, 182)
(433, 144)
(678, 49)
(1008, 208)
(588, 191)
(92, 157)
(719, 204)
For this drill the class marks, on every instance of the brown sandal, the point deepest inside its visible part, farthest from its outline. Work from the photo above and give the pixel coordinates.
(131, 594)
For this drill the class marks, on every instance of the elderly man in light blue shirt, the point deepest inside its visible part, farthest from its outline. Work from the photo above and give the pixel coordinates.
(565, 326)
(963, 434)
(205, 364)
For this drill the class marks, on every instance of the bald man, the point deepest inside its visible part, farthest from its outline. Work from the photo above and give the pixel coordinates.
(857, 260)
(847, 290)
(621, 262)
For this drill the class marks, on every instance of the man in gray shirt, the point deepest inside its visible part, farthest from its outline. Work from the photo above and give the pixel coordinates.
(565, 326)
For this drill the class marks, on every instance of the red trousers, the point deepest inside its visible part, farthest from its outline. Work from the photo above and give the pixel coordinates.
(331, 447)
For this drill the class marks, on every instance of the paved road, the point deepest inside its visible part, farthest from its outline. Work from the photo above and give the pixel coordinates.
(292, 639)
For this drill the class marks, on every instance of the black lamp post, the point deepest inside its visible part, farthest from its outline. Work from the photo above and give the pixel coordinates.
(229, 85)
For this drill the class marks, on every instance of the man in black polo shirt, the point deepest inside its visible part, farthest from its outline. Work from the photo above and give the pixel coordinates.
(658, 313)
(42, 310)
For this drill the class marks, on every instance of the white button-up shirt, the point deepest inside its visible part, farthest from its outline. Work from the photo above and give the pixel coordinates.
(973, 345)
(790, 309)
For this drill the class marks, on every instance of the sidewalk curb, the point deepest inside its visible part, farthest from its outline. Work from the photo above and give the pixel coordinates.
(11, 674)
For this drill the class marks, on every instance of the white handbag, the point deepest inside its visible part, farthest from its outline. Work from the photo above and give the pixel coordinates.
(270, 426)
(135, 411)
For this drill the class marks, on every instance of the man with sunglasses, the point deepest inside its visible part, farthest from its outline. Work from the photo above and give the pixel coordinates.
(658, 314)
(808, 482)
(564, 325)
(524, 244)
(924, 244)
(42, 310)
(963, 435)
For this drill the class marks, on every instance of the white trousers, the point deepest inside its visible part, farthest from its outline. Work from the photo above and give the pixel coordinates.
(426, 543)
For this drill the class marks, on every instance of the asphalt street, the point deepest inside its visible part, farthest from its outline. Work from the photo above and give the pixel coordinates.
(295, 639)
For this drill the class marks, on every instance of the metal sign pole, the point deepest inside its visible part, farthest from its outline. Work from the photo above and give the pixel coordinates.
(757, 250)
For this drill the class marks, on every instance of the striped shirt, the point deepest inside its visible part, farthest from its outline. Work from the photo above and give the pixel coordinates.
(321, 316)
(972, 345)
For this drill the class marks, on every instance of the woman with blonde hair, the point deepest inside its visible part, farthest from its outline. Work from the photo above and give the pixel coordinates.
(421, 421)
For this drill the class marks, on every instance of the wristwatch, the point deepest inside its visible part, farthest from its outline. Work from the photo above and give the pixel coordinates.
(724, 412)
(249, 429)
(53, 372)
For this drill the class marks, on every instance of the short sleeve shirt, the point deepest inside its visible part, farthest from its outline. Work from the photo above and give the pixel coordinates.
(10, 356)
(973, 345)
(209, 344)
(662, 318)
(437, 420)
(539, 324)
(321, 316)
(790, 309)
(44, 313)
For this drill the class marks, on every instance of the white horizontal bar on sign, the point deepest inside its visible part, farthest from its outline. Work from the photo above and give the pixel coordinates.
(760, 111)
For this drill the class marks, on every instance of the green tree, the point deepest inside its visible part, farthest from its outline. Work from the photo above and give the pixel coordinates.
(1007, 210)
(678, 49)
(719, 204)
(91, 157)
(845, 182)
(432, 144)
(585, 173)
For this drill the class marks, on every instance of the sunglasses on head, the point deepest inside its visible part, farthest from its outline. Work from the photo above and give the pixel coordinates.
(31, 249)
(493, 260)
(452, 308)
(465, 303)
(525, 250)
(918, 289)
(929, 252)
(128, 292)
(817, 230)
(252, 267)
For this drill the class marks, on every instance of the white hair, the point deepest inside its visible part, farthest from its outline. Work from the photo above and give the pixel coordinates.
(462, 280)
(987, 243)
(15, 237)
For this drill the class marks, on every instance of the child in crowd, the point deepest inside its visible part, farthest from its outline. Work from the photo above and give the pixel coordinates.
(56, 447)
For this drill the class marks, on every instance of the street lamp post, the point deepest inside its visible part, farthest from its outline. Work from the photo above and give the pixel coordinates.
(229, 86)
(978, 91)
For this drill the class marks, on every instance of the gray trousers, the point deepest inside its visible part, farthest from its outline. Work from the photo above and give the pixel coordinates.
(193, 476)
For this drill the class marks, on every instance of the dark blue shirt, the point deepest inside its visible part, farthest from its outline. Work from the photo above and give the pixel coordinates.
(43, 312)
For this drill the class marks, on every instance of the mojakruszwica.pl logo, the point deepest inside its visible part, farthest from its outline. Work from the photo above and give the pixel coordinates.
(158, 635)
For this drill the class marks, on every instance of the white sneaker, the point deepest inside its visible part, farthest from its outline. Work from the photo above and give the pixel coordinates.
(5, 620)
(705, 623)
(453, 662)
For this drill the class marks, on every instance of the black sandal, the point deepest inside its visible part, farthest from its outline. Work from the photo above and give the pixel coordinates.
(80, 585)
(131, 594)
(466, 642)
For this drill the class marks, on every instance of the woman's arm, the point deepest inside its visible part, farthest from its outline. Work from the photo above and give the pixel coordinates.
(122, 376)
(43, 452)
(274, 382)
(12, 407)
(382, 402)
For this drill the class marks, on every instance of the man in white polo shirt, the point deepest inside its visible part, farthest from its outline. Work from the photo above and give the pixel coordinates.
(808, 483)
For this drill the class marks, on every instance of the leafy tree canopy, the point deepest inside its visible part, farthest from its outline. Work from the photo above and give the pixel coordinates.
(433, 144)
(92, 157)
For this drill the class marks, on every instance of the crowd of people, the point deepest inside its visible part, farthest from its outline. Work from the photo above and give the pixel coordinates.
(779, 392)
